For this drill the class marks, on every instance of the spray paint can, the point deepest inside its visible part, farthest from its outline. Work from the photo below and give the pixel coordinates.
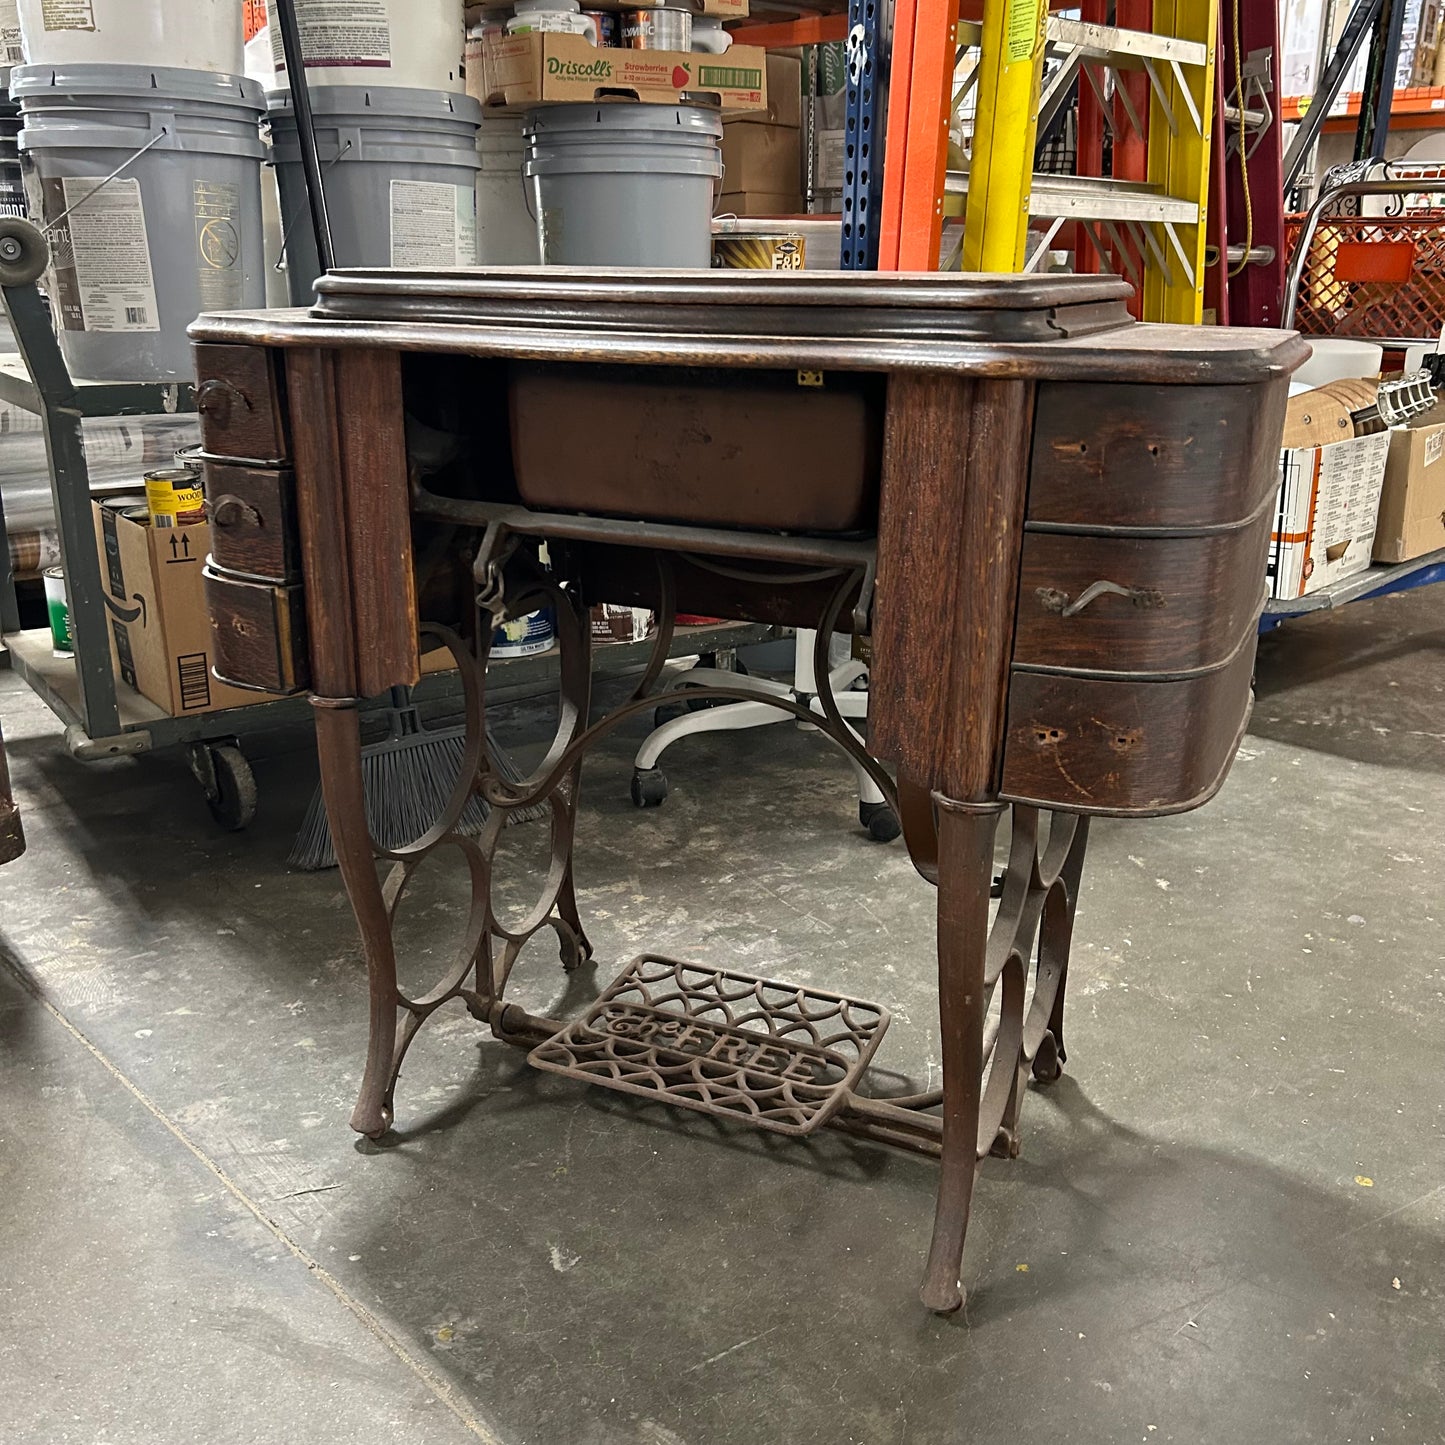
(174, 497)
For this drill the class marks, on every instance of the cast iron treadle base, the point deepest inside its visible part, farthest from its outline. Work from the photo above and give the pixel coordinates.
(775, 1055)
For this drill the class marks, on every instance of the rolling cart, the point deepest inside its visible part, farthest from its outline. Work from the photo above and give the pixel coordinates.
(103, 716)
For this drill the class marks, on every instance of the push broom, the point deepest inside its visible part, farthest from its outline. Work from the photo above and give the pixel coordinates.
(408, 774)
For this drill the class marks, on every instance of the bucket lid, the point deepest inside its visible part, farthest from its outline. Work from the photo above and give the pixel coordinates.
(615, 117)
(33, 85)
(382, 100)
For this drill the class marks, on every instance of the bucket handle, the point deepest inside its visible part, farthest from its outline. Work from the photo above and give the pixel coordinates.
(288, 226)
(52, 226)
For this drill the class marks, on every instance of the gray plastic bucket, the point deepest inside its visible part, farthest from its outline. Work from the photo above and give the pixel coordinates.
(624, 183)
(506, 232)
(175, 233)
(400, 171)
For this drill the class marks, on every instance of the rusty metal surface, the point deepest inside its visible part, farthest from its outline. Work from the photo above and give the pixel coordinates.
(776, 1055)
(783, 1058)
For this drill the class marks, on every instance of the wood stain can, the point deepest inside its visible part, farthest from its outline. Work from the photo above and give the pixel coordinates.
(660, 29)
(174, 497)
(783, 252)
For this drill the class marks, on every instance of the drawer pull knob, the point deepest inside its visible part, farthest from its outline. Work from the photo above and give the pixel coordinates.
(1055, 601)
(229, 511)
(216, 396)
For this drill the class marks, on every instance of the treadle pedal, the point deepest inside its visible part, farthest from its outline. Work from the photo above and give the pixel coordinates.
(771, 1054)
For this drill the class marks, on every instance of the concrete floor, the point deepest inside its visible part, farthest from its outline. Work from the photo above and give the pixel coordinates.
(1227, 1225)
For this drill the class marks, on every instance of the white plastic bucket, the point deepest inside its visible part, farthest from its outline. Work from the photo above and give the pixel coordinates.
(400, 171)
(417, 44)
(506, 232)
(175, 233)
(624, 184)
(185, 34)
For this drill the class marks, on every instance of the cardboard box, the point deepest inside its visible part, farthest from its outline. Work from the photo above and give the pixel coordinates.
(519, 71)
(785, 92)
(1325, 523)
(762, 158)
(1412, 504)
(761, 203)
(160, 634)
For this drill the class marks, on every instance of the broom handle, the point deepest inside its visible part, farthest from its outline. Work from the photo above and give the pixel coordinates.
(306, 130)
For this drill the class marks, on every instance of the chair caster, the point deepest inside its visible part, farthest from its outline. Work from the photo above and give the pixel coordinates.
(649, 787)
(668, 712)
(880, 821)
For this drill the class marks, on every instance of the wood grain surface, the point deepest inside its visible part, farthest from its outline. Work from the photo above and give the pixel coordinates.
(1096, 746)
(955, 469)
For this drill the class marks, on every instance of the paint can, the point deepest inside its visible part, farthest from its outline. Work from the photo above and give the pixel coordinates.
(660, 29)
(57, 606)
(174, 497)
(525, 636)
(787, 251)
(606, 23)
(125, 503)
(613, 622)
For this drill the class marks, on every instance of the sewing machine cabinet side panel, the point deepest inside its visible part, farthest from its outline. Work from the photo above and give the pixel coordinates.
(955, 477)
(352, 502)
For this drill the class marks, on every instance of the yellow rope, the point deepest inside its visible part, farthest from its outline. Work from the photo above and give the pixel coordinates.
(1243, 156)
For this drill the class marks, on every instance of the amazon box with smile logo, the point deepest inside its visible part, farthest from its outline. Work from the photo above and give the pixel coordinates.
(520, 71)
(160, 636)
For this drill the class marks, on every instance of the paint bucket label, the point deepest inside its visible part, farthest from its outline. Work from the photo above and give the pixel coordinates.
(174, 498)
(339, 32)
(57, 607)
(525, 636)
(433, 224)
(67, 14)
(760, 253)
(100, 254)
(218, 243)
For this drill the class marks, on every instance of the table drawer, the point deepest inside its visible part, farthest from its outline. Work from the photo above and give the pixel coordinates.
(1097, 745)
(253, 520)
(1131, 604)
(1108, 455)
(761, 449)
(241, 402)
(258, 631)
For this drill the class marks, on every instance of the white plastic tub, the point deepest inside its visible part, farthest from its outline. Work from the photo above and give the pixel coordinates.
(413, 43)
(179, 34)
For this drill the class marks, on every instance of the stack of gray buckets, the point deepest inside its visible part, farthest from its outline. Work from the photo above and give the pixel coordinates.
(148, 180)
(399, 159)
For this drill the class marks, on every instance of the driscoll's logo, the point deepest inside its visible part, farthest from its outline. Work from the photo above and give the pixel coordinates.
(577, 70)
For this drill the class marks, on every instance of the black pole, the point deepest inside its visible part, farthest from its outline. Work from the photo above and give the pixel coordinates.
(285, 12)
(1376, 102)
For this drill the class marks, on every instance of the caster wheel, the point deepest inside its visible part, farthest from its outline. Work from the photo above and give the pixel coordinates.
(230, 786)
(668, 712)
(880, 821)
(24, 253)
(1048, 1062)
(649, 787)
(995, 889)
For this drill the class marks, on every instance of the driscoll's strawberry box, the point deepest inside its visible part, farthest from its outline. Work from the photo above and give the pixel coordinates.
(518, 71)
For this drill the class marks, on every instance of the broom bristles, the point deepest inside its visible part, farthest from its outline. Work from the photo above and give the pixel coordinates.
(407, 782)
